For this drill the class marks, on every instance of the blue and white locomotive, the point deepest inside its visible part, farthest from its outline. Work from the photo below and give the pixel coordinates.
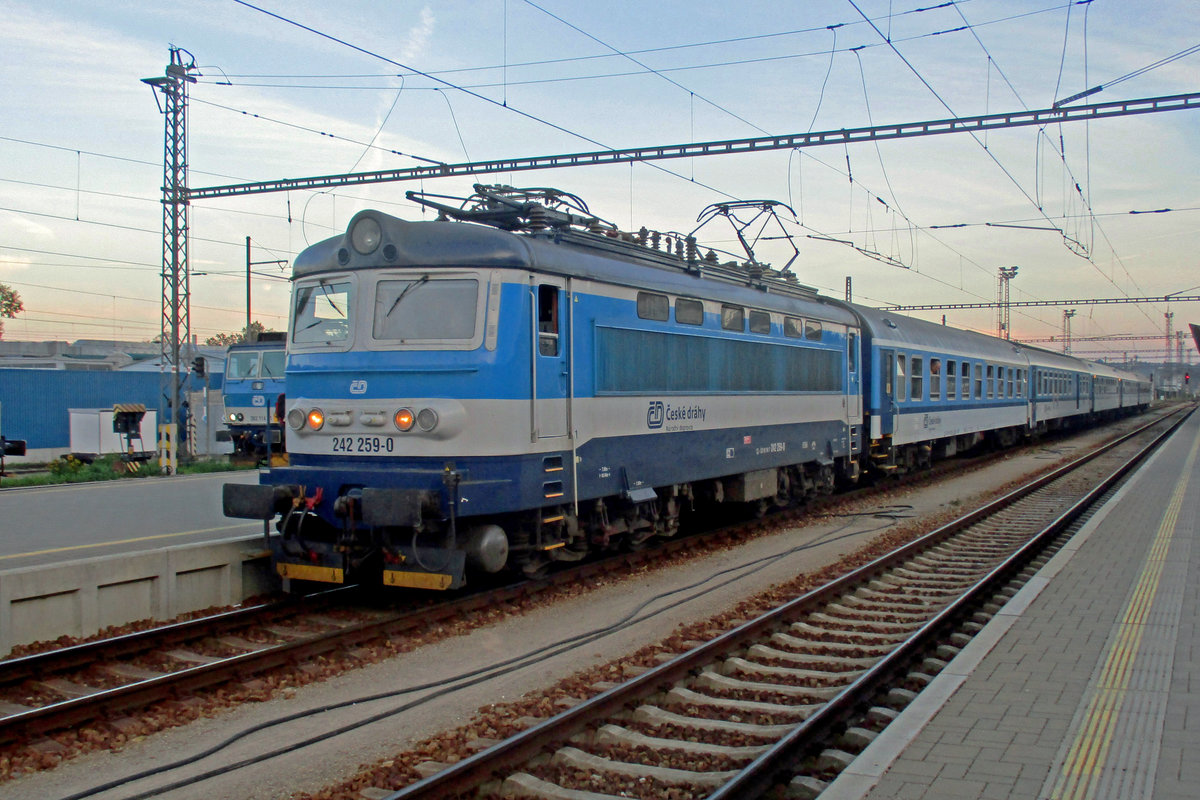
(474, 397)
(253, 382)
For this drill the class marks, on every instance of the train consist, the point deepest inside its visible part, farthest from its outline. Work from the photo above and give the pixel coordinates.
(519, 383)
(254, 382)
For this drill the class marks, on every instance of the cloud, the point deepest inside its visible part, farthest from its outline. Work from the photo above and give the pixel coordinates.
(419, 35)
(25, 226)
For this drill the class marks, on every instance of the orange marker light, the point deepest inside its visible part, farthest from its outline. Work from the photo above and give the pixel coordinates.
(404, 419)
(316, 419)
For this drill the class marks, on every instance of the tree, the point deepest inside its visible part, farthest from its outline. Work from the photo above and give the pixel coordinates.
(226, 339)
(10, 304)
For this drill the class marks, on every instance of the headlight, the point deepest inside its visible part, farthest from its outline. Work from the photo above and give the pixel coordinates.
(427, 419)
(295, 419)
(404, 419)
(316, 419)
(232, 417)
(365, 235)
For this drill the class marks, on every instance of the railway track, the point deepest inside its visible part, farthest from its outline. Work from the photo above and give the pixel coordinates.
(114, 678)
(70, 687)
(788, 698)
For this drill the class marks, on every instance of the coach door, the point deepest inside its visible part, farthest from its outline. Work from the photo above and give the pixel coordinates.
(853, 392)
(887, 391)
(551, 397)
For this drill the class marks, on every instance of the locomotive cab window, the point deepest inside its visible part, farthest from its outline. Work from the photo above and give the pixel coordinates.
(242, 365)
(273, 364)
(653, 306)
(733, 318)
(423, 309)
(760, 322)
(689, 312)
(322, 312)
(547, 296)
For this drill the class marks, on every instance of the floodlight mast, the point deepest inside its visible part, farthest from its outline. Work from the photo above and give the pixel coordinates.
(175, 330)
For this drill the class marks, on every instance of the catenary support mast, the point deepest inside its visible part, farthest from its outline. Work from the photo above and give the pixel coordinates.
(175, 333)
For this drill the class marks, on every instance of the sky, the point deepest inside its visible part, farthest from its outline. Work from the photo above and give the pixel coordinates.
(298, 89)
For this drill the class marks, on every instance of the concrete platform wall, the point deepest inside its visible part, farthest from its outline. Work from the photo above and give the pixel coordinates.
(80, 598)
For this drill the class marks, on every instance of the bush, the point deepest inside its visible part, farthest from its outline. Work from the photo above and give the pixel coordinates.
(65, 466)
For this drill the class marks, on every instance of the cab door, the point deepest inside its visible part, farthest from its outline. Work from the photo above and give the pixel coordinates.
(550, 362)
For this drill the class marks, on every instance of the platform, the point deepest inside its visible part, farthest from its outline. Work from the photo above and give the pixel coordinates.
(1086, 684)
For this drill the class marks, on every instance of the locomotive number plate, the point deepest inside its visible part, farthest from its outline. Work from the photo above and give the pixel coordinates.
(362, 444)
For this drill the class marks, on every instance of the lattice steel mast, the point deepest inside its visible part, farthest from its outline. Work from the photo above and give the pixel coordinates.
(175, 333)
(1003, 316)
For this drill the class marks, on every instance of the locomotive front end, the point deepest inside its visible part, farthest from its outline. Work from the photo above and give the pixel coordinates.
(399, 397)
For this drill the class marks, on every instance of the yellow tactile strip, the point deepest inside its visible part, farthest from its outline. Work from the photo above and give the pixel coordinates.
(1086, 771)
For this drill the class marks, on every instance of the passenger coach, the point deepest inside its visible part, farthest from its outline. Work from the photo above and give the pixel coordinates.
(933, 390)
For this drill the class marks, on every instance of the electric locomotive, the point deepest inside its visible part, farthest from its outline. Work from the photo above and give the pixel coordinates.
(254, 381)
(518, 382)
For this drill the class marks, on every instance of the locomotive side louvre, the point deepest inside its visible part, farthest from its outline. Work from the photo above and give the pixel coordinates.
(459, 392)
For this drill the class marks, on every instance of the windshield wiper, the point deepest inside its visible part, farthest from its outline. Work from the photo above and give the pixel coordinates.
(325, 289)
(407, 289)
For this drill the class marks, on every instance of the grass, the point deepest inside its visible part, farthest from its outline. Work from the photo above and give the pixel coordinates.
(69, 469)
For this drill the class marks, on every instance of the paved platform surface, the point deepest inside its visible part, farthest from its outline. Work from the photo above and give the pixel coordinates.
(54, 524)
(1087, 684)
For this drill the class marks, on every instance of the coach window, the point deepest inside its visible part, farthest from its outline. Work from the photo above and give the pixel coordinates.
(852, 352)
(901, 377)
(935, 379)
(733, 318)
(812, 330)
(965, 374)
(760, 322)
(1009, 372)
(689, 312)
(991, 381)
(653, 306)
(918, 378)
(548, 320)
(978, 381)
(793, 327)
(951, 380)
